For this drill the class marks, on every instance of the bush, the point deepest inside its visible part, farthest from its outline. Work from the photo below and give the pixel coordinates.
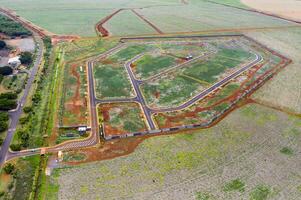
(3, 126)
(2, 44)
(24, 120)
(4, 116)
(26, 58)
(27, 109)
(36, 98)
(15, 147)
(1, 78)
(1, 141)
(9, 168)
(6, 70)
(23, 136)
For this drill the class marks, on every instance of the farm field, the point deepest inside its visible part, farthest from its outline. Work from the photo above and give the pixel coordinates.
(279, 91)
(289, 9)
(121, 118)
(74, 17)
(80, 17)
(247, 147)
(127, 23)
(197, 14)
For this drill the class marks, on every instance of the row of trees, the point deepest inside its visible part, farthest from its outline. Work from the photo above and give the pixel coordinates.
(12, 28)
(8, 101)
(28, 122)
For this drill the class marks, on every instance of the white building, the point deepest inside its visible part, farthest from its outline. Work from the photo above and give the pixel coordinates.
(14, 62)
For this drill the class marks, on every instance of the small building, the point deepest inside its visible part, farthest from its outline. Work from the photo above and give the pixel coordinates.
(14, 62)
(82, 130)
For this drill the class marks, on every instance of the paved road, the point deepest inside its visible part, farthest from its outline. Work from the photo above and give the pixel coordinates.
(135, 83)
(93, 139)
(15, 114)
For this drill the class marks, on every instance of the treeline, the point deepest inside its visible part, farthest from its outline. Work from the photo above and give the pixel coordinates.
(33, 113)
(8, 101)
(12, 28)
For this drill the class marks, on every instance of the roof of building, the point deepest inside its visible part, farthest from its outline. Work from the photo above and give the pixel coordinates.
(14, 59)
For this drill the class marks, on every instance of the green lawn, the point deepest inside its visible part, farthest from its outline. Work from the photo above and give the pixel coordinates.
(111, 81)
(150, 65)
(125, 118)
(224, 59)
(169, 91)
(130, 52)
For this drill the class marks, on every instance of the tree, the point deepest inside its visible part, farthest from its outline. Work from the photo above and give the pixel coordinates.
(4, 116)
(26, 58)
(15, 147)
(9, 168)
(8, 95)
(7, 104)
(2, 44)
(27, 109)
(23, 136)
(6, 70)
(1, 141)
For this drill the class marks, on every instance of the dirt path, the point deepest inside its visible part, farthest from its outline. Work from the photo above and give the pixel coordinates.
(147, 21)
(99, 26)
(290, 9)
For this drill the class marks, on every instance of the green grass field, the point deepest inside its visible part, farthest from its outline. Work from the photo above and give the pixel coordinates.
(223, 60)
(122, 118)
(111, 82)
(150, 65)
(130, 52)
(127, 23)
(169, 91)
(198, 16)
(79, 17)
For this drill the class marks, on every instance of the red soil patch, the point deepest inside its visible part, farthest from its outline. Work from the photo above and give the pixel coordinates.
(63, 38)
(76, 104)
(110, 149)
